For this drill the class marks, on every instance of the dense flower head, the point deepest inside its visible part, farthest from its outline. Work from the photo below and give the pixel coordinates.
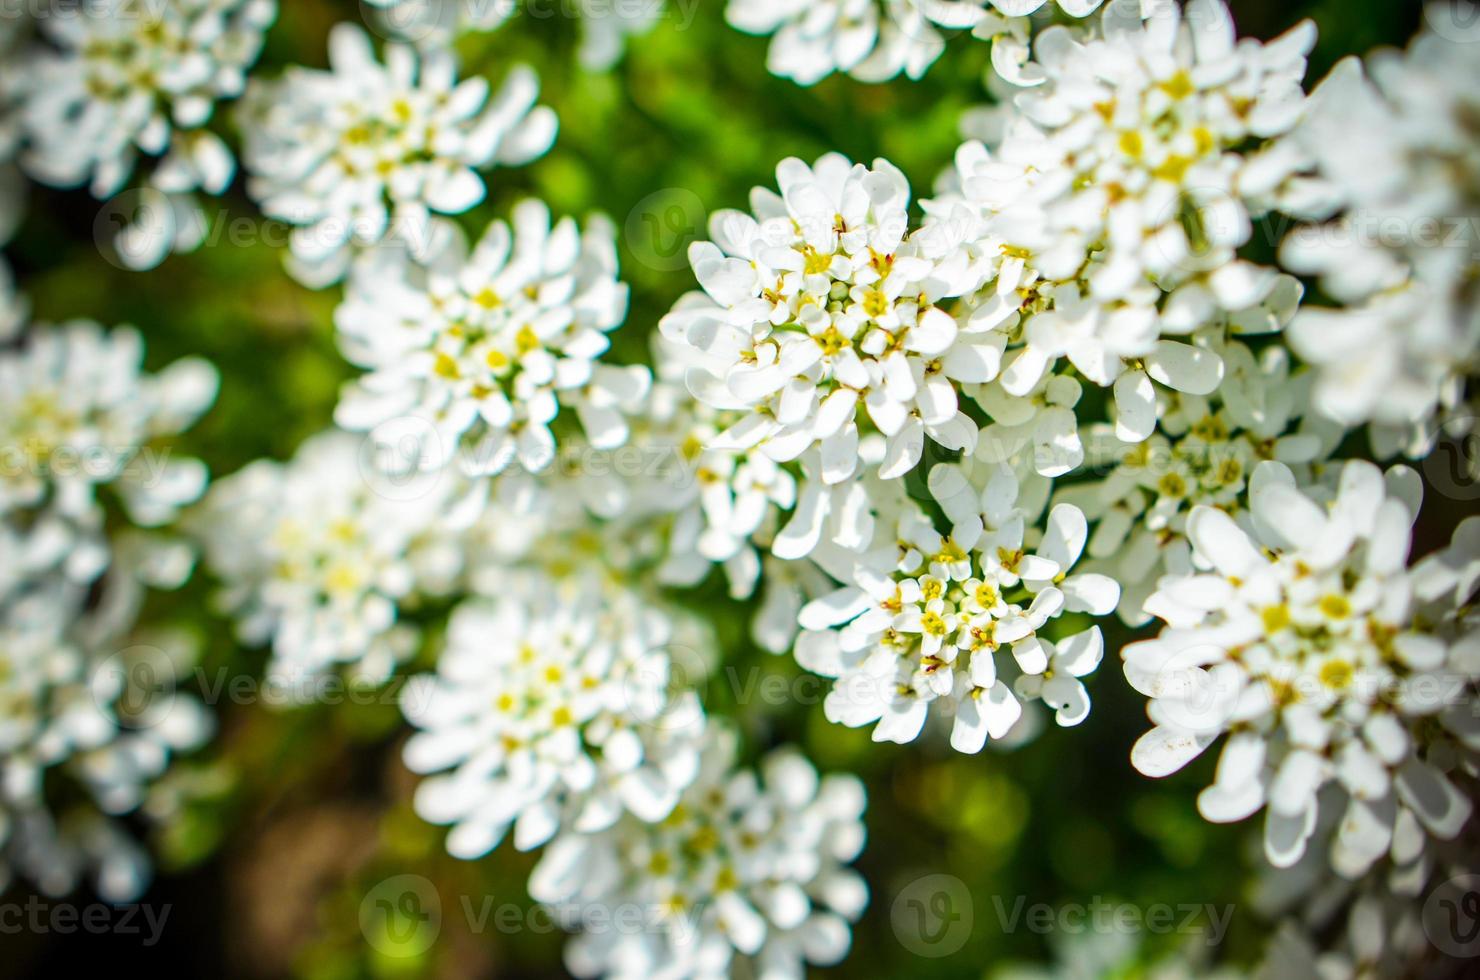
(87, 434)
(117, 79)
(876, 40)
(367, 151)
(487, 345)
(923, 616)
(1106, 219)
(1303, 635)
(551, 706)
(750, 863)
(1397, 144)
(824, 315)
(103, 82)
(317, 555)
(77, 413)
(1205, 452)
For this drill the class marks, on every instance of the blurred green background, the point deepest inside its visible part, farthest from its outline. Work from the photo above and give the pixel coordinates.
(292, 816)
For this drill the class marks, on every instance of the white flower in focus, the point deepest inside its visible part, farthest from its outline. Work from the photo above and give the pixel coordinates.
(822, 316)
(487, 346)
(1205, 453)
(876, 40)
(1303, 635)
(1105, 222)
(552, 710)
(368, 151)
(749, 864)
(923, 617)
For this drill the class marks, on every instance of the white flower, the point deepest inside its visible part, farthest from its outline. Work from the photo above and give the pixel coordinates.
(318, 554)
(876, 40)
(364, 151)
(116, 80)
(439, 21)
(747, 863)
(1106, 220)
(1400, 151)
(552, 710)
(83, 724)
(923, 616)
(488, 346)
(605, 24)
(1303, 636)
(1206, 455)
(822, 315)
(76, 413)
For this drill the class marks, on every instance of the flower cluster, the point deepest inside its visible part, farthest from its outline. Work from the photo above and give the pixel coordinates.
(876, 40)
(552, 707)
(1204, 453)
(822, 314)
(936, 442)
(108, 81)
(86, 435)
(923, 617)
(1305, 637)
(487, 346)
(1107, 219)
(605, 24)
(1403, 258)
(747, 863)
(367, 151)
(318, 555)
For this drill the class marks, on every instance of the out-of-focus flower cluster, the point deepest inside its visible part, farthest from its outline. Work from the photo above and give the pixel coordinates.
(88, 712)
(940, 443)
(96, 85)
